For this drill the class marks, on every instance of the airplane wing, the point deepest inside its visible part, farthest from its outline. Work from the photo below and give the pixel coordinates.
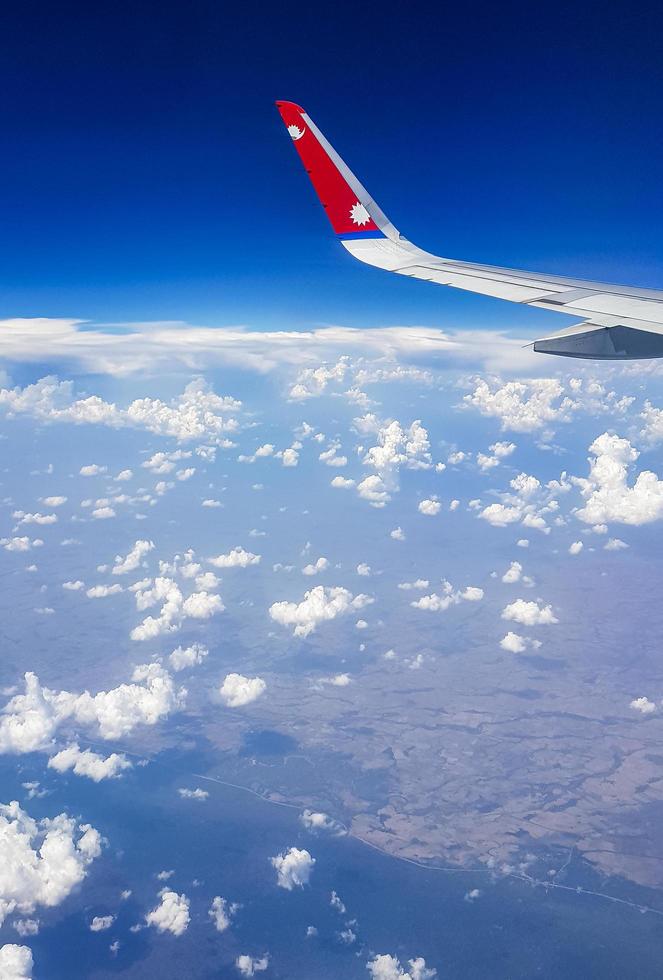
(618, 322)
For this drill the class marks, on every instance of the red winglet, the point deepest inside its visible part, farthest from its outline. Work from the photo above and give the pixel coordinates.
(347, 214)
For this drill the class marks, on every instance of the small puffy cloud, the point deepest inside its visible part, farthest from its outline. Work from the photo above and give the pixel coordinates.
(643, 705)
(222, 912)
(184, 657)
(398, 534)
(321, 565)
(513, 643)
(133, 559)
(293, 868)
(73, 586)
(123, 476)
(248, 966)
(20, 543)
(88, 763)
(237, 690)
(336, 680)
(430, 507)
(43, 860)
(386, 967)
(608, 495)
(417, 586)
(236, 558)
(513, 573)
(54, 501)
(529, 613)
(15, 962)
(211, 502)
(101, 922)
(103, 513)
(319, 605)
(615, 544)
(290, 457)
(342, 483)
(576, 548)
(23, 518)
(522, 406)
(171, 915)
(449, 597)
(102, 591)
(373, 489)
(363, 569)
(92, 469)
(316, 822)
(193, 794)
(26, 927)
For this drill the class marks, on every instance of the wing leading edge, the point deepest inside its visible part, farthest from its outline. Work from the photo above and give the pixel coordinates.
(618, 322)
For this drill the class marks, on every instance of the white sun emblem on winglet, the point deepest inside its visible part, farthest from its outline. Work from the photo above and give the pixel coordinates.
(359, 214)
(296, 132)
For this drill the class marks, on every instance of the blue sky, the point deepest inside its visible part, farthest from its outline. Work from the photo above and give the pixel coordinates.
(146, 175)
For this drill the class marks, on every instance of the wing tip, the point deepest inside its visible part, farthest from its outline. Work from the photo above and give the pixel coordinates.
(284, 104)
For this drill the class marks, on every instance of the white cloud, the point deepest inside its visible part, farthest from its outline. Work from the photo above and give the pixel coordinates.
(312, 382)
(92, 469)
(336, 680)
(133, 559)
(342, 483)
(15, 962)
(363, 569)
(513, 643)
(293, 868)
(450, 597)
(522, 406)
(373, 489)
(193, 794)
(198, 413)
(321, 565)
(237, 690)
(290, 457)
(315, 821)
(248, 966)
(386, 967)
(608, 497)
(210, 502)
(513, 573)
(643, 705)
(101, 922)
(417, 586)
(235, 558)
(151, 349)
(398, 534)
(26, 927)
(222, 912)
(73, 586)
(88, 763)
(102, 591)
(103, 513)
(54, 501)
(529, 613)
(318, 605)
(123, 476)
(29, 721)
(430, 507)
(614, 544)
(576, 548)
(172, 915)
(174, 607)
(42, 861)
(23, 518)
(184, 657)
(20, 544)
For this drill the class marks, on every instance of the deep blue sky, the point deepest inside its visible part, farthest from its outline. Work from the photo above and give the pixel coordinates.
(145, 173)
